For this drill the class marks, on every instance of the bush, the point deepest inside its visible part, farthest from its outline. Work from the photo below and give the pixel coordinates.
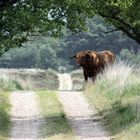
(7, 84)
(130, 56)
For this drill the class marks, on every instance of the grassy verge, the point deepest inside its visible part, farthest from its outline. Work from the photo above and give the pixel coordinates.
(4, 115)
(56, 126)
(6, 85)
(116, 95)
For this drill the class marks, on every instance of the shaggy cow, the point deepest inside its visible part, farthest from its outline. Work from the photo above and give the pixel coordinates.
(93, 62)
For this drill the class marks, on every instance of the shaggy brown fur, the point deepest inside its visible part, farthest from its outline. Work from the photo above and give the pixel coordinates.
(93, 62)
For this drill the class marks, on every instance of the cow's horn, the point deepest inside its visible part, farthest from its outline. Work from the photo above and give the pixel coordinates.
(72, 56)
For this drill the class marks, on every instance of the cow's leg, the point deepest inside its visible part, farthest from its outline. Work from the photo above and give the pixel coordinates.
(86, 77)
(94, 77)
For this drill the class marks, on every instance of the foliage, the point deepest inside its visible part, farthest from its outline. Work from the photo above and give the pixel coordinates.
(123, 15)
(56, 125)
(116, 95)
(22, 20)
(42, 53)
(48, 52)
(19, 58)
(130, 56)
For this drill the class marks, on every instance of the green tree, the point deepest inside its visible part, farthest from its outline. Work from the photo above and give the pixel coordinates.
(21, 20)
(41, 53)
(19, 58)
(123, 14)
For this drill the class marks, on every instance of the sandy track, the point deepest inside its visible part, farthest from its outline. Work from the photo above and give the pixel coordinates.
(26, 121)
(65, 82)
(25, 116)
(83, 120)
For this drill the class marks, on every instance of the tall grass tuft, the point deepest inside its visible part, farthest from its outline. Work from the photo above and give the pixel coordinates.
(115, 94)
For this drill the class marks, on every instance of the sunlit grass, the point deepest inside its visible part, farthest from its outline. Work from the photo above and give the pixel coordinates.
(56, 126)
(115, 94)
(131, 133)
(4, 115)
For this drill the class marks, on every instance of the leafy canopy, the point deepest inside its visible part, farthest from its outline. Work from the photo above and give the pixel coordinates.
(21, 20)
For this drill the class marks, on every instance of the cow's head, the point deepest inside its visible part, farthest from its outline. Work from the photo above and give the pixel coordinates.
(82, 57)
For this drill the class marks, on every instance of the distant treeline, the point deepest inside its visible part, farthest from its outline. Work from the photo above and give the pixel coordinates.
(47, 52)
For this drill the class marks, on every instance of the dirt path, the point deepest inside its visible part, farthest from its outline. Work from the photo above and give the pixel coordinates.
(26, 121)
(65, 82)
(25, 116)
(86, 125)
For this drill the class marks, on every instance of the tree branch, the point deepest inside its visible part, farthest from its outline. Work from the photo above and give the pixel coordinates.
(123, 26)
(111, 31)
(5, 3)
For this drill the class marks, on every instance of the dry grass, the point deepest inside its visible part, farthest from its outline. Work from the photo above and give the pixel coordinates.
(115, 94)
(31, 78)
(77, 79)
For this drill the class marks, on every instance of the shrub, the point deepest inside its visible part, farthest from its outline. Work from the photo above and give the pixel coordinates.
(7, 84)
(130, 56)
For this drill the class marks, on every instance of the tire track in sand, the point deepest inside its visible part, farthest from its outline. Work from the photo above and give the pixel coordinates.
(83, 120)
(24, 116)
